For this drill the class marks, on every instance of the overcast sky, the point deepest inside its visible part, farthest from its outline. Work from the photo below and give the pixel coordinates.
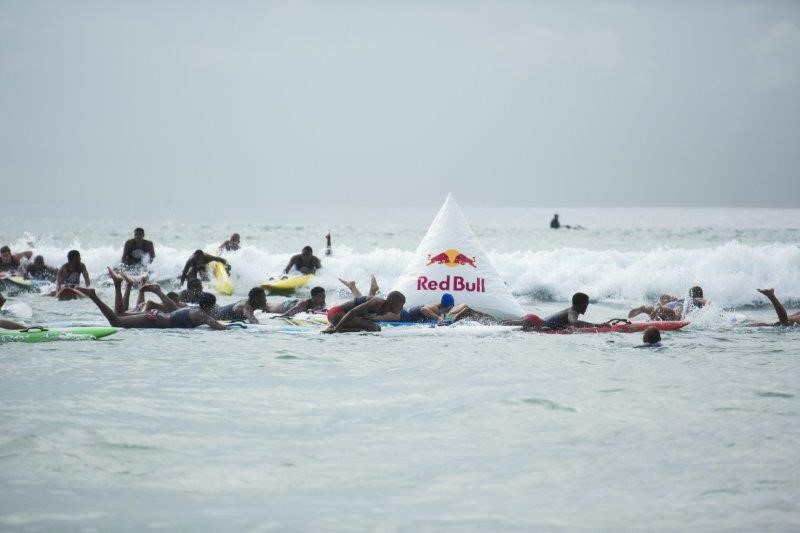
(503, 103)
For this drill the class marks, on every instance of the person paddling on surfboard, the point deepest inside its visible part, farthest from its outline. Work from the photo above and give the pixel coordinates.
(784, 318)
(196, 264)
(40, 271)
(122, 301)
(361, 314)
(188, 317)
(232, 244)
(569, 317)
(314, 304)
(305, 262)
(11, 264)
(69, 276)
(425, 313)
(670, 307)
(243, 309)
(138, 251)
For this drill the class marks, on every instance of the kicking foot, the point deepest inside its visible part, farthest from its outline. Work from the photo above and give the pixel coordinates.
(373, 285)
(349, 284)
(116, 277)
(150, 287)
(767, 292)
(86, 291)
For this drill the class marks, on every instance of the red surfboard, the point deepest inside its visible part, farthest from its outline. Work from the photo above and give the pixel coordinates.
(623, 327)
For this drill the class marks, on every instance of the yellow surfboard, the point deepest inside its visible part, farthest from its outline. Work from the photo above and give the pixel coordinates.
(219, 278)
(287, 284)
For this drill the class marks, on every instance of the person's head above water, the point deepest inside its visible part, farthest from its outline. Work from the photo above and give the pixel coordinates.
(5, 254)
(207, 301)
(198, 255)
(447, 302)
(174, 296)
(396, 300)
(38, 260)
(73, 257)
(651, 336)
(317, 296)
(235, 238)
(307, 252)
(257, 297)
(194, 284)
(138, 234)
(580, 302)
(696, 292)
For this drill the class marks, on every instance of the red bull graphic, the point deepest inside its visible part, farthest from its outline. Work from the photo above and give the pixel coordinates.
(451, 258)
(454, 284)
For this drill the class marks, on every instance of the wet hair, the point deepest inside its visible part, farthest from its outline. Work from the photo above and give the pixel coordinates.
(696, 292)
(174, 296)
(651, 335)
(256, 292)
(395, 296)
(38, 260)
(308, 249)
(194, 283)
(137, 230)
(198, 252)
(580, 299)
(73, 254)
(317, 290)
(235, 236)
(5, 249)
(207, 301)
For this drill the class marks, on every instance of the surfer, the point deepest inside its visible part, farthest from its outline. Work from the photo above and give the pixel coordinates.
(670, 307)
(555, 224)
(243, 309)
(784, 318)
(569, 317)
(122, 301)
(10, 263)
(232, 244)
(138, 251)
(39, 271)
(328, 249)
(194, 289)
(651, 337)
(69, 276)
(305, 262)
(434, 311)
(188, 317)
(197, 263)
(361, 314)
(310, 305)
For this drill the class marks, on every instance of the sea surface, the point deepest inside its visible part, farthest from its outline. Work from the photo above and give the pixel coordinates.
(425, 430)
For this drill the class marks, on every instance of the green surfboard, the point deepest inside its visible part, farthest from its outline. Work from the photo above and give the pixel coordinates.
(43, 334)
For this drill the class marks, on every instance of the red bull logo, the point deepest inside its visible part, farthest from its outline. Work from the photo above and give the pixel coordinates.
(451, 258)
(454, 284)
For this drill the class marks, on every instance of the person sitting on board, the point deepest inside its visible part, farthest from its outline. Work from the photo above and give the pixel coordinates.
(670, 307)
(569, 317)
(555, 224)
(315, 304)
(122, 301)
(188, 317)
(305, 262)
(784, 318)
(11, 264)
(651, 337)
(39, 271)
(196, 264)
(425, 313)
(243, 309)
(69, 276)
(361, 314)
(137, 251)
(231, 245)
(194, 289)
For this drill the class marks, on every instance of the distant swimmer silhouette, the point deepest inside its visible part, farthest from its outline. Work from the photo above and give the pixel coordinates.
(555, 224)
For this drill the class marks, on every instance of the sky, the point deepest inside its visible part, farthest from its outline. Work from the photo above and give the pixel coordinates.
(191, 105)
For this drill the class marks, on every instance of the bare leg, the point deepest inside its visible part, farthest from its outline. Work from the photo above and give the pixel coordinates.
(649, 309)
(352, 286)
(783, 316)
(167, 303)
(119, 307)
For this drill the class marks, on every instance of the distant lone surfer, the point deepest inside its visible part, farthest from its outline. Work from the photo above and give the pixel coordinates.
(232, 244)
(555, 224)
(138, 251)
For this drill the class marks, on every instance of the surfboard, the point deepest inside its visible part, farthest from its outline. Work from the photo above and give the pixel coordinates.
(43, 334)
(623, 327)
(277, 283)
(220, 280)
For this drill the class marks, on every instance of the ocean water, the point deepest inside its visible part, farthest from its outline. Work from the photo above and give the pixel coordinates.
(435, 429)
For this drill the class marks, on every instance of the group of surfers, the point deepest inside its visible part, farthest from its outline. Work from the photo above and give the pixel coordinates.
(361, 313)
